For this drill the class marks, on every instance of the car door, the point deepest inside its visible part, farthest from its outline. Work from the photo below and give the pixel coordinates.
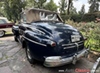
(9, 25)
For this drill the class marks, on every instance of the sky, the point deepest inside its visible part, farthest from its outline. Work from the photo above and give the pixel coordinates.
(78, 4)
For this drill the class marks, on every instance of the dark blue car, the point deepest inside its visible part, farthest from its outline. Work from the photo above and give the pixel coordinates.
(47, 39)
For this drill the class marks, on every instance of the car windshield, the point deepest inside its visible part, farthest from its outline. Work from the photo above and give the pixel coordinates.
(2, 21)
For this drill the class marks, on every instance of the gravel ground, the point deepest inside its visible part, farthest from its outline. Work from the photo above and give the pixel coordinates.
(13, 60)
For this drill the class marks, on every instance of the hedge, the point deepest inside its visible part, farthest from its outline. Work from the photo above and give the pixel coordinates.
(88, 17)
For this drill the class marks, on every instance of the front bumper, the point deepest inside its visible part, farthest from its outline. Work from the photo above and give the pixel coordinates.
(54, 61)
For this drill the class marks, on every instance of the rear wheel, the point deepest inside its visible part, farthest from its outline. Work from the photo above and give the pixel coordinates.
(2, 33)
(29, 55)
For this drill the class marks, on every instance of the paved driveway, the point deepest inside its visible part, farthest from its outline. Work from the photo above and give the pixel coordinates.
(13, 60)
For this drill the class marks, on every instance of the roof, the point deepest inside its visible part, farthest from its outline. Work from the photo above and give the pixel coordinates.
(34, 12)
(41, 10)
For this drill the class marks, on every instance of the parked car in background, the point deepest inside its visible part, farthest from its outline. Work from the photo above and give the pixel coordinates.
(5, 26)
(47, 39)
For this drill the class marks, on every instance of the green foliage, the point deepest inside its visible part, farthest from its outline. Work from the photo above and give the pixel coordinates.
(94, 7)
(13, 8)
(30, 3)
(70, 6)
(90, 30)
(39, 3)
(76, 17)
(72, 23)
(81, 18)
(62, 6)
(73, 10)
(1, 9)
(51, 6)
(82, 11)
(89, 17)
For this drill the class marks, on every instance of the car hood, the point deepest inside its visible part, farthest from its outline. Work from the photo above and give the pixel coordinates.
(60, 32)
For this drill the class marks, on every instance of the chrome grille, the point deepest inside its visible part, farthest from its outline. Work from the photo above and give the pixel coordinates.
(71, 48)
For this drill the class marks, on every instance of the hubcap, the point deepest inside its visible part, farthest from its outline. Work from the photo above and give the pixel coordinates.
(1, 33)
(28, 53)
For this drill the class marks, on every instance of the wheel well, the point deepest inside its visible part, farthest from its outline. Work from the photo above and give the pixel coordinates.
(3, 30)
(24, 44)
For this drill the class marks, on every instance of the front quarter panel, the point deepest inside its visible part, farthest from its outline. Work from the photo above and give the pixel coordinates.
(15, 30)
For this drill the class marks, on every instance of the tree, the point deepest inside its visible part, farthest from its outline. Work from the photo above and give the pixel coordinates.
(1, 9)
(39, 3)
(62, 6)
(72, 9)
(30, 3)
(94, 7)
(82, 11)
(13, 8)
(51, 6)
(70, 4)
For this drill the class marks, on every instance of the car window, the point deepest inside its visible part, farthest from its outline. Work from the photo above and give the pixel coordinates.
(2, 21)
(23, 18)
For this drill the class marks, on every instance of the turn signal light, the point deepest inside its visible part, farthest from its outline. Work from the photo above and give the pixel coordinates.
(53, 44)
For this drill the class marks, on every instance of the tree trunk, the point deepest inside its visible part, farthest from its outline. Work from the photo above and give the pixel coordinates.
(69, 2)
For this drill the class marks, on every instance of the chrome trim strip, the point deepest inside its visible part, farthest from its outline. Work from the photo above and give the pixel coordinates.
(80, 44)
(71, 43)
(72, 46)
(69, 47)
(34, 41)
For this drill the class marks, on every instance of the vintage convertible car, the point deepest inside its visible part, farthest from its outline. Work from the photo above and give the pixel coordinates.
(47, 39)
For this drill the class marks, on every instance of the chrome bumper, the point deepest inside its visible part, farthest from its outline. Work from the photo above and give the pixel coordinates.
(54, 61)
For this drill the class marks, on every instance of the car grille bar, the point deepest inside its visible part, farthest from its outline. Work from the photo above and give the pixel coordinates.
(72, 45)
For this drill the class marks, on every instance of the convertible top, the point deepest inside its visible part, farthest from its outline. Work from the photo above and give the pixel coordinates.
(34, 14)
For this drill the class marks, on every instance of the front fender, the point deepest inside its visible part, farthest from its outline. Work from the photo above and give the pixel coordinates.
(32, 36)
(38, 39)
(15, 30)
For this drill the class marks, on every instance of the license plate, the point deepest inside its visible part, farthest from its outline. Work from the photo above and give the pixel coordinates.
(75, 38)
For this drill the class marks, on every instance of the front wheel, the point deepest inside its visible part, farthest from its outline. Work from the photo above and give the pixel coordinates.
(15, 38)
(29, 56)
(2, 33)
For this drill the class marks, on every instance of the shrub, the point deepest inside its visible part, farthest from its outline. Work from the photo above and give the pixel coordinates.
(92, 31)
(89, 17)
(76, 17)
